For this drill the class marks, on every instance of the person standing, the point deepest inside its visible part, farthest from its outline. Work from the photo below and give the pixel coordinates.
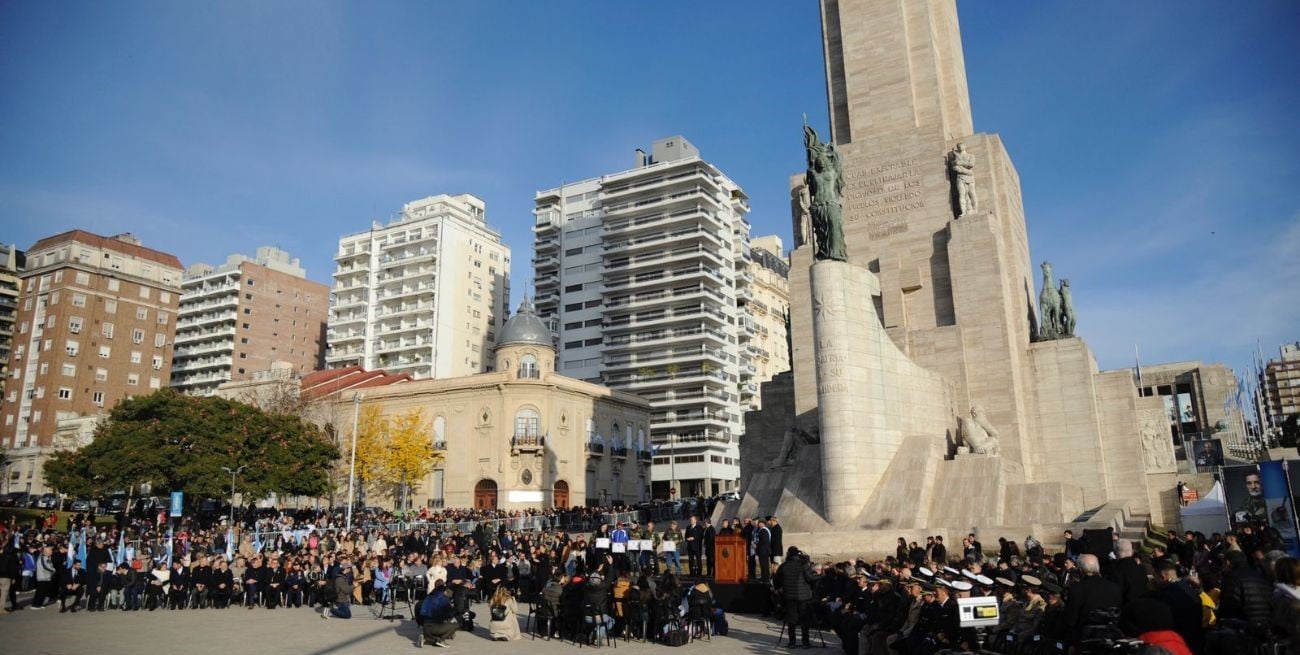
(778, 543)
(747, 532)
(694, 546)
(10, 569)
(763, 551)
(710, 538)
(795, 580)
(45, 577)
(671, 558)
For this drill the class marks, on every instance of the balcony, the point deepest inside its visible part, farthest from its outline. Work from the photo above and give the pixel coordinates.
(697, 194)
(618, 452)
(205, 335)
(528, 442)
(595, 448)
(189, 307)
(206, 320)
(202, 363)
(644, 456)
(206, 290)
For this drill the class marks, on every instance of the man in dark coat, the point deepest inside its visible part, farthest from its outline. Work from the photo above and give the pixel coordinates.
(795, 580)
(763, 551)
(778, 543)
(72, 584)
(1245, 593)
(710, 538)
(694, 546)
(1184, 603)
(1128, 573)
(1092, 592)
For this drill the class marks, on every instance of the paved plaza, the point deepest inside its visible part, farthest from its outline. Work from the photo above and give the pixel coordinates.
(299, 631)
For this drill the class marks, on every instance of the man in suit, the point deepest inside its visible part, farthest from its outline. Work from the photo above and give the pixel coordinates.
(710, 537)
(763, 551)
(72, 584)
(778, 541)
(1092, 592)
(694, 546)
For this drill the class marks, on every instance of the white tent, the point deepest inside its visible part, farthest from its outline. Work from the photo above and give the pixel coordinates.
(1207, 515)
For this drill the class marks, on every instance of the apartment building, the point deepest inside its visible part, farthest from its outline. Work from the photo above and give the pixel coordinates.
(239, 317)
(1279, 387)
(96, 320)
(12, 263)
(766, 300)
(638, 272)
(424, 295)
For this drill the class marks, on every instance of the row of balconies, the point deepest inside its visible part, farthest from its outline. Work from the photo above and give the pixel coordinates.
(211, 347)
(641, 183)
(206, 290)
(205, 335)
(390, 259)
(188, 306)
(665, 356)
(406, 274)
(677, 313)
(692, 374)
(654, 296)
(425, 287)
(181, 364)
(688, 395)
(402, 344)
(679, 235)
(198, 380)
(658, 276)
(663, 258)
(698, 193)
(700, 436)
(207, 319)
(404, 308)
(664, 335)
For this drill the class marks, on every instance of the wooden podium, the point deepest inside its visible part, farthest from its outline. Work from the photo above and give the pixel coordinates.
(730, 554)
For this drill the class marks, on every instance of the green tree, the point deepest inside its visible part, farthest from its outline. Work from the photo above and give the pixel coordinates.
(180, 443)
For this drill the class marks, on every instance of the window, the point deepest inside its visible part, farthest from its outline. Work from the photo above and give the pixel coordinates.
(45, 368)
(144, 292)
(51, 321)
(165, 296)
(97, 398)
(74, 324)
(110, 306)
(107, 330)
(101, 375)
(83, 278)
(162, 318)
(65, 393)
(133, 379)
(141, 314)
(137, 336)
(114, 285)
(528, 367)
(105, 352)
(157, 362)
(69, 369)
(73, 347)
(135, 357)
(78, 300)
(154, 383)
(528, 423)
(159, 340)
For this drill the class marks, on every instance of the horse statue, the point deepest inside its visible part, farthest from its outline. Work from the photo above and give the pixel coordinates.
(1049, 305)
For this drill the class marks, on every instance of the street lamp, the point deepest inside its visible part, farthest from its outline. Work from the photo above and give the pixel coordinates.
(233, 473)
(352, 467)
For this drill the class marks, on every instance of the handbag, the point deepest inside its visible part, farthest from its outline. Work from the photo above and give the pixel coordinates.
(675, 637)
(498, 612)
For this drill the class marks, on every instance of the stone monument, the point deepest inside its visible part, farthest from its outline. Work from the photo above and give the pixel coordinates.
(912, 300)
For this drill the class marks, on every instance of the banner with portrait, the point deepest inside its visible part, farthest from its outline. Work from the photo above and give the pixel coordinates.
(1207, 453)
(1243, 489)
(1280, 502)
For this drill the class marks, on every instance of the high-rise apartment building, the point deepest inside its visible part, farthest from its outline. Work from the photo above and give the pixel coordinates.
(1279, 388)
(12, 263)
(639, 273)
(425, 294)
(766, 299)
(239, 317)
(96, 320)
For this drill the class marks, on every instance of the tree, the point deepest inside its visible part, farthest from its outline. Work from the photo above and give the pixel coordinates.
(180, 443)
(393, 452)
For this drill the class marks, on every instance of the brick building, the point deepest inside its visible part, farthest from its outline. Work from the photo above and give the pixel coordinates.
(96, 318)
(240, 317)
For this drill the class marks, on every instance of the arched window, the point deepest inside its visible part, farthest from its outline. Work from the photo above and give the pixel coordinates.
(528, 423)
(528, 367)
(561, 495)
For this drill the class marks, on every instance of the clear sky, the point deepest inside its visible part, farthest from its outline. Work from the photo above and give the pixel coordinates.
(1157, 142)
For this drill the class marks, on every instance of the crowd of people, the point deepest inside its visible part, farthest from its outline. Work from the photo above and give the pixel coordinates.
(1226, 593)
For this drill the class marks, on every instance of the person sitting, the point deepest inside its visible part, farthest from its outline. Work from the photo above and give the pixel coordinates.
(699, 602)
(437, 617)
(503, 624)
(595, 606)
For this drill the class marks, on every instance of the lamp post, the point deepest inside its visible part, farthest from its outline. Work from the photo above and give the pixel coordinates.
(233, 473)
(352, 467)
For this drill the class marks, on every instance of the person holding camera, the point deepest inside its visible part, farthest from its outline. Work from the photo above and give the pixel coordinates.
(437, 617)
(795, 579)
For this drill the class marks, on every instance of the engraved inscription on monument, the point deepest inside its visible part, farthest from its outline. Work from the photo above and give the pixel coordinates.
(883, 194)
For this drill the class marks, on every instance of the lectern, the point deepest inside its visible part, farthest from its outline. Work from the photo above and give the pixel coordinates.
(729, 557)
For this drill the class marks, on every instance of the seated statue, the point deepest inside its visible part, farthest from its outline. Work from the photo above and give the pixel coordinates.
(978, 434)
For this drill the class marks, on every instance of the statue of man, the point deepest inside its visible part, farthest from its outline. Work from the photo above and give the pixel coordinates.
(962, 167)
(825, 181)
(1067, 309)
(802, 209)
(978, 434)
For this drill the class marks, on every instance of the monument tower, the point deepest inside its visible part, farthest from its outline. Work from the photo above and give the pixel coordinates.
(929, 331)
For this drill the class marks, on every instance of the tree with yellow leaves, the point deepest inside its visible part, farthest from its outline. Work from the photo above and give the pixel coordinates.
(391, 452)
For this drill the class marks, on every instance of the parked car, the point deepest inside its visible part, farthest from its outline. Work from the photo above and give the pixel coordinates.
(48, 501)
(24, 500)
(81, 505)
(10, 499)
(729, 496)
(114, 504)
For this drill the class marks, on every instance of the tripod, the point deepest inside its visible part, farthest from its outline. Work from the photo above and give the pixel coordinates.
(388, 609)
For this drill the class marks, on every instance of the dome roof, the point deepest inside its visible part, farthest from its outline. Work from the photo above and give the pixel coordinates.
(524, 327)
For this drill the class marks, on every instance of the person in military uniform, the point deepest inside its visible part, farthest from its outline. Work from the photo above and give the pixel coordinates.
(1009, 609)
(1253, 509)
(650, 558)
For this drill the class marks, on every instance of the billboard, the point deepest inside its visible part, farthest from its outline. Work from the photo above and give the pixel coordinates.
(1208, 453)
(1243, 489)
(1186, 414)
(1279, 500)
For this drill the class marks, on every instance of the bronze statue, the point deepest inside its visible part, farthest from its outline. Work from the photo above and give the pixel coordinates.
(1049, 305)
(825, 181)
(1067, 309)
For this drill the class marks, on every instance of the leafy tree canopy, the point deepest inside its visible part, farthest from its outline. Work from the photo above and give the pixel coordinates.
(179, 443)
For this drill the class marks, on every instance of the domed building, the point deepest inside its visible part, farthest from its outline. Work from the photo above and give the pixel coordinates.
(518, 437)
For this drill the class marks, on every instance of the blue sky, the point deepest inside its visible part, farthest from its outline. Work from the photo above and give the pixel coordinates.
(1156, 141)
